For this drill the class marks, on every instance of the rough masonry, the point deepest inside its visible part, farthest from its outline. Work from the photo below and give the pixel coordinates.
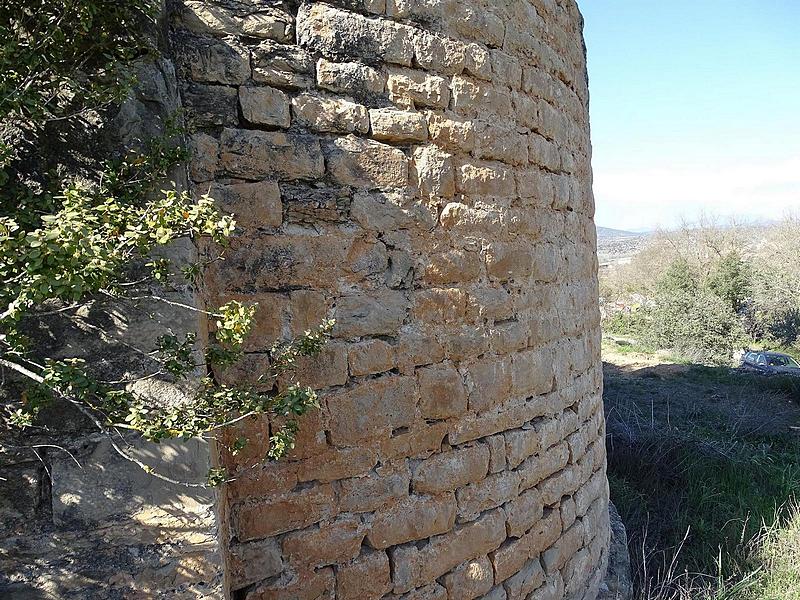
(418, 170)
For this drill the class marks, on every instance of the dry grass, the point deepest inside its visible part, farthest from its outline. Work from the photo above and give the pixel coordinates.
(704, 467)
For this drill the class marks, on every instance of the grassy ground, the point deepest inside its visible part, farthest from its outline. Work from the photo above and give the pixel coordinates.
(704, 465)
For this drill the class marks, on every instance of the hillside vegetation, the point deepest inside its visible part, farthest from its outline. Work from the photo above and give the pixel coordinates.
(707, 291)
(704, 459)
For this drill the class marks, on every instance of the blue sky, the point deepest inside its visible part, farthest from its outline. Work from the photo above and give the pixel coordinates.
(695, 108)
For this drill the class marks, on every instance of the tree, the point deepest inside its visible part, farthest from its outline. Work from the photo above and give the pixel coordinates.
(76, 231)
(730, 280)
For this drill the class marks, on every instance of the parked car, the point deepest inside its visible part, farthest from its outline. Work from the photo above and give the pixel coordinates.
(771, 363)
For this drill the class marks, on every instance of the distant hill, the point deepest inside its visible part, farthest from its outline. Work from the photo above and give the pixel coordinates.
(607, 232)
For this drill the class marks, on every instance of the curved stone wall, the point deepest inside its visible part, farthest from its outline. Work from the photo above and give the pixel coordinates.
(419, 171)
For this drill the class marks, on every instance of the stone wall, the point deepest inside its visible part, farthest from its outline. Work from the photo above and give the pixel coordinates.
(418, 170)
(76, 520)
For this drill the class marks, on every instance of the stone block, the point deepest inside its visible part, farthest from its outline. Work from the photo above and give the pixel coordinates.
(414, 567)
(472, 97)
(205, 152)
(416, 89)
(366, 578)
(282, 65)
(470, 579)
(523, 512)
(420, 442)
(485, 179)
(329, 114)
(439, 305)
(441, 392)
(438, 53)
(538, 467)
(210, 105)
(475, 498)
(433, 172)
(413, 518)
(349, 77)
(306, 585)
(285, 513)
(415, 348)
(373, 408)
(366, 163)
(265, 106)
(253, 205)
(497, 453)
(450, 470)
(340, 463)
(253, 562)
(526, 581)
(532, 373)
(488, 381)
(451, 132)
(370, 357)
(208, 60)
(337, 33)
(365, 314)
(451, 267)
(374, 490)
(397, 126)
(202, 17)
(555, 557)
(262, 154)
(328, 543)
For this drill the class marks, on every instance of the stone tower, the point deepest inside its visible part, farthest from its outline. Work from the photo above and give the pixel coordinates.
(418, 170)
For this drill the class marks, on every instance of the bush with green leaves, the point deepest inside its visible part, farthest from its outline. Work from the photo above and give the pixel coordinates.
(69, 239)
(687, 316)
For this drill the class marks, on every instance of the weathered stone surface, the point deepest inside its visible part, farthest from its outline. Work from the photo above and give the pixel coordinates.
(364, 314)
(523, 512)
(307, 585)
(366, 163)
(433, 172)
(283, 65)
(337, 34)
(329, 543)
(487, 179)
(416, 89)
(253, 205)
(286, 513)
(265, 106)
(441, 392)
(207, 60)
(375, 407)
(493, 491)
(329, 114)
(526, 580)
(370, 357)
(450, 470)
(253, 562)
(210, 105)
(365, 578)
(261, 154)
(451, 132)
(414, 566)
(349, 77)
(414, 518)
(387, 484)
(203, 17)
(399, 126)
(470, 579)
(419, 171)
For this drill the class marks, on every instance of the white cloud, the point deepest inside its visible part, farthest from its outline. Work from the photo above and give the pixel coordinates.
(647, 198)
